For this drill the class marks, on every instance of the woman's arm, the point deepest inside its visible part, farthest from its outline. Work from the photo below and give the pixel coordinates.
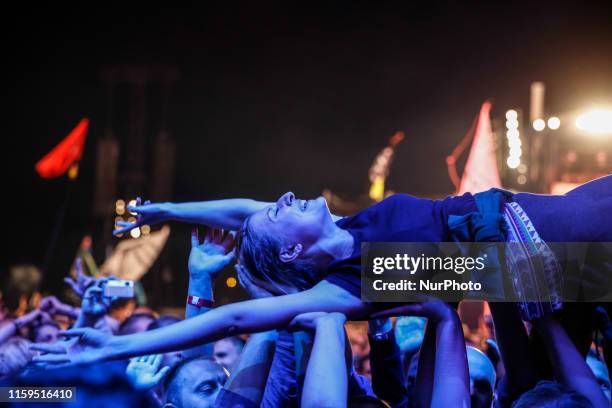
(326, 382)
(237, 318)
(423, 389)
(226, 214)
(249, 378)
(451, 378)
(568, 364)
(451, 381)
(521, 374)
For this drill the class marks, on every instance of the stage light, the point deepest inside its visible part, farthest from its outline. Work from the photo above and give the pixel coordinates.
(132, 219)
(133, 204)
(512, 124)
(598, 121)
(145, 229)
(511, 114)
(514, 143)
(522, 168)
(135, 233)
(512, 133)
(120, 207)
(117, 219)
(521, 179)
(231, 282)
(515, 152)
(513, 162)
(539, 125)
(554, 123)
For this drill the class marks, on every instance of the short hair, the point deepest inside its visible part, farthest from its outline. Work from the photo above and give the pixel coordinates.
(551, 394)
(162, 321)
(10, 351)
(172, 389)
(126, 326)
(235, 340)
(259, 255)
(36, 326)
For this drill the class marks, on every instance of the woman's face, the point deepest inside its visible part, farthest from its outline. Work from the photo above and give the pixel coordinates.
(293, 220)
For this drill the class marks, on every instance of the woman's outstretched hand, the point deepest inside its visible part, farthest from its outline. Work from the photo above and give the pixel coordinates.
(82, 346)
(146, 213)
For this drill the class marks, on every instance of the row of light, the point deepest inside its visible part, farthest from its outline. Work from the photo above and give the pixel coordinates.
(124, 215)
(514, 139)
(596, 121)
(553, 124)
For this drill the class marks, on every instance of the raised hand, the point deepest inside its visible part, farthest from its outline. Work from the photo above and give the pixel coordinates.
(309, 321)
(28, 318)
(53, 306)
(210, 257)
(95, 304)
(146, 213)
(84, 345)
(82, 281)
(143, 372)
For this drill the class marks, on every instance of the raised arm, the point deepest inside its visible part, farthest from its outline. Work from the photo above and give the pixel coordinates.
(226, 214)
(237, 318)
(451, 382)
(326, 381)
(569, 366)
(206, 261)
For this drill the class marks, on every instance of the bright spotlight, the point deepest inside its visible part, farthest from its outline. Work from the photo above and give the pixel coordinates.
(597, 121)
(135, 233)
(515, 152)
(512, 124)
(512, 134)
(554, 123)
(511, 114)
(513, 162)
(539, 125)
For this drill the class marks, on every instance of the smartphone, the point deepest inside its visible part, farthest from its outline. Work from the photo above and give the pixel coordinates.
(122, 289)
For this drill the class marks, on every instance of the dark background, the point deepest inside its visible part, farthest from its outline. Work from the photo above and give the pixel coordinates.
(277, 96)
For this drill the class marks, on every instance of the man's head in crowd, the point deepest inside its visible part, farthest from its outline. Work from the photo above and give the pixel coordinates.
(227, 351)
(194, 383)
(136, 323)
(550, 394)
(482, 378)
(46, 332)
(15, 354)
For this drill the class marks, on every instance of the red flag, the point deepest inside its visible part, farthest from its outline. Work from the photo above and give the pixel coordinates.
(65, 154)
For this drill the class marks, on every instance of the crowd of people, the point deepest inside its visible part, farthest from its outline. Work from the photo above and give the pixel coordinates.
(291, 345)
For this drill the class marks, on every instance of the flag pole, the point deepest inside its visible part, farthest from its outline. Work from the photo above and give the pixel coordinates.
(59, 220)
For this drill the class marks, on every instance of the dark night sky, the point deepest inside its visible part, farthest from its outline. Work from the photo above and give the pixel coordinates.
(279, 97)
